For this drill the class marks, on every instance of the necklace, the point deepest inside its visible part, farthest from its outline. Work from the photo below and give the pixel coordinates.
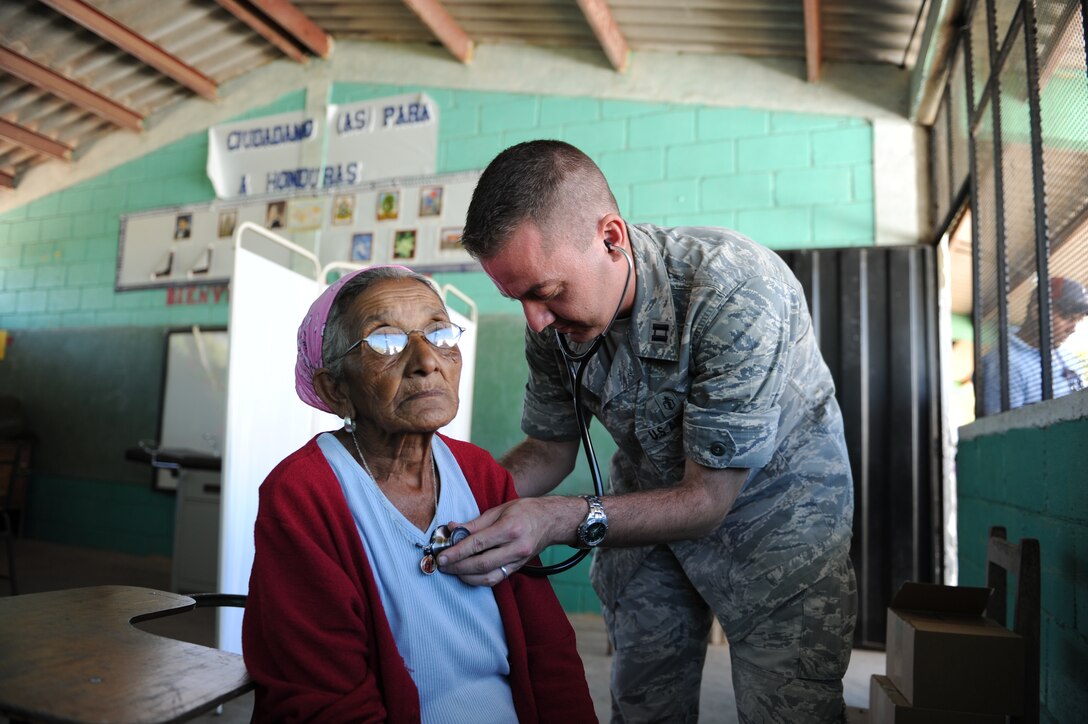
(441, 534)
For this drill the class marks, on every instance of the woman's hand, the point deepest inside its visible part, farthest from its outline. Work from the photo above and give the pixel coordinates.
(508, 536)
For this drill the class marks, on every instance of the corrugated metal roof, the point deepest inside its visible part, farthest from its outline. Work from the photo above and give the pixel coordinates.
(66, 79)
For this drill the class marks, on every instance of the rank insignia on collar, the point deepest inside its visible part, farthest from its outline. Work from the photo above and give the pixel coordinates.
(659, 332)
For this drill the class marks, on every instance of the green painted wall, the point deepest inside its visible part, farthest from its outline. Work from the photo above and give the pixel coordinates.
(1032, 481)
(789, 180)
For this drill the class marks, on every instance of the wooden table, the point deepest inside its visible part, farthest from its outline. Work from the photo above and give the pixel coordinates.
(74, 656)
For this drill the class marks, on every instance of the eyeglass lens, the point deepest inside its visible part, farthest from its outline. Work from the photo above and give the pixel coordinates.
(391, 340)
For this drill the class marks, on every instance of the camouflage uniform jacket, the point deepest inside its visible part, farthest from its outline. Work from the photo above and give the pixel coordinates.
(719, 365)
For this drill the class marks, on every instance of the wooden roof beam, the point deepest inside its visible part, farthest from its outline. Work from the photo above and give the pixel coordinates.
(297, 24)
(448, 31)
(266, 30)
(813, 51)
(34, 141)
(604, 26)
(7, 180)
(75, 93)
(135, 45)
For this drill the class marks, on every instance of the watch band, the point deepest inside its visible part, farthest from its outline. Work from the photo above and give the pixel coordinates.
(593, 529)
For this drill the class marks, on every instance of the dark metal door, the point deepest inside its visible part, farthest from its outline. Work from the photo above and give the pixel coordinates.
(874, 311)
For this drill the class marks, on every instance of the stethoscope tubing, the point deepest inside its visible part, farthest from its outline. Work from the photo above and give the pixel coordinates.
(582, 360)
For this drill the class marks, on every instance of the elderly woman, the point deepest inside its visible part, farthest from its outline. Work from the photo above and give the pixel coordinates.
(345, 619)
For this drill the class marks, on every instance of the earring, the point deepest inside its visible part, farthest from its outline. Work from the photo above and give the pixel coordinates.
(349, 424)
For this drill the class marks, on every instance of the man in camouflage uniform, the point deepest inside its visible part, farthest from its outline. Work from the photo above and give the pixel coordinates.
(731, 493)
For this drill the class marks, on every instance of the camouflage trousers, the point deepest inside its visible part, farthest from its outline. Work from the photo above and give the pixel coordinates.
(788, 669)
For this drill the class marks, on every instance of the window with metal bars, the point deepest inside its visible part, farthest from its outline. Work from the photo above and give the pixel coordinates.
(1010, 146)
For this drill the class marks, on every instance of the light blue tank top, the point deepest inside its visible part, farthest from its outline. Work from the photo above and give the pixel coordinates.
(449, 633)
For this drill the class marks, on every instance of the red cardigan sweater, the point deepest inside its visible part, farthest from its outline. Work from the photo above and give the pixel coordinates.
(315, 637)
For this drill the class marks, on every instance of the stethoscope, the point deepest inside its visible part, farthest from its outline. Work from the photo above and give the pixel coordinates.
(576, 364)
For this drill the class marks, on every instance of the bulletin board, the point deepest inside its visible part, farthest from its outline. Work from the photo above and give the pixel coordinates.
(415, 221)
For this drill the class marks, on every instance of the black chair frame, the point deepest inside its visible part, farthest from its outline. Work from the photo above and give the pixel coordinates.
(1022, 560)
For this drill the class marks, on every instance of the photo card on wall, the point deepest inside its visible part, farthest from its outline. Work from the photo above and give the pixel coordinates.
(343, 210)
(362, 246)
(183, 226)
(228, 219)
(430, 201)
(305, 214)
(404, 244)
(388, 205)
(450, 238)
(275, 214)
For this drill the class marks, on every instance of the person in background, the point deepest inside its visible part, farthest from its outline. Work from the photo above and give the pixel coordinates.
(345, 619)
(731, 487)
(1068, 306)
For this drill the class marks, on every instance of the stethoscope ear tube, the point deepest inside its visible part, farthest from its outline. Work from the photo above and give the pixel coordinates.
(591, 457)
(575, 377)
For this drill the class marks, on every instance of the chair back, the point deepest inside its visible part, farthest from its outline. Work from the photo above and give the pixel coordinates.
(1022, 560)
(14, 473)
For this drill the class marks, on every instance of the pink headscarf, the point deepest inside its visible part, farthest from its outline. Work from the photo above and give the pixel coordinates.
(311, 336)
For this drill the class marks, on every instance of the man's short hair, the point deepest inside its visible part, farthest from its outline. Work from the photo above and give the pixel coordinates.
(549, 183)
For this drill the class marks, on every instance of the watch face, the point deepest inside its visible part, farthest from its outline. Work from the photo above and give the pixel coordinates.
(596, 531)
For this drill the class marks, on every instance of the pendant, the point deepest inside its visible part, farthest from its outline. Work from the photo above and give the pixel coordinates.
(427, 564)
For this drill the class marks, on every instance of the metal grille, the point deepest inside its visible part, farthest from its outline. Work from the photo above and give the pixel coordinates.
(1004, 10)
(960, 120)
(1023, 64)
(980, 50)
(949, 140)
(940, 163)
(1016, 162)
(1018, 212)
(1063, 110)
(989, 266)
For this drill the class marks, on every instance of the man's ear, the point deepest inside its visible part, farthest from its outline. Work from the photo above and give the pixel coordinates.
(331, 394)
(613, 231)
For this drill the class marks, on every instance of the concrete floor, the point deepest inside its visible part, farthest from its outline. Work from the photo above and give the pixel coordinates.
(45, 566)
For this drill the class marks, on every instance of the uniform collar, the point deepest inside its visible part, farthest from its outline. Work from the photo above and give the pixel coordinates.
(654, 332)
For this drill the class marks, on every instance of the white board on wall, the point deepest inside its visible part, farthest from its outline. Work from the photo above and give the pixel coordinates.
(194, 401)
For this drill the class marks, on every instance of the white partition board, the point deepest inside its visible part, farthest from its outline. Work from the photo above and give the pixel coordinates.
(460, 427)
(266, 421)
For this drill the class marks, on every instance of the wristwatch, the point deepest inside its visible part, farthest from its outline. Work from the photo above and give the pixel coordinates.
(594, 528)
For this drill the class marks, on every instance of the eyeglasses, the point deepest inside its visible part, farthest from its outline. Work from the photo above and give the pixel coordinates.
(391, 341)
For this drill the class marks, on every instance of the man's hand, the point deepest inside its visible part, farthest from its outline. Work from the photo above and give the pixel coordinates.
(508, 536)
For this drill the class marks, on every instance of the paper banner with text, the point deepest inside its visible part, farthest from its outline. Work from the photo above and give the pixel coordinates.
(296, 151)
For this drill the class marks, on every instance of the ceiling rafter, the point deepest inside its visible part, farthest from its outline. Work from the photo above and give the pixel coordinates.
(449, 32)
(603, 23)
(266, 30)
(813, 37)
(75, 93)
(135, 45)
(297, 23)
(7, 180)
(34, 141)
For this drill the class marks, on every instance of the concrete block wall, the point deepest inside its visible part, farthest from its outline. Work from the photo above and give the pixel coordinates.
(788, 180)
(1032, 481)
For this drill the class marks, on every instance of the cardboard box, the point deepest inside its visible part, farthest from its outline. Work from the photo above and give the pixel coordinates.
(944, 654)
(888, 706)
